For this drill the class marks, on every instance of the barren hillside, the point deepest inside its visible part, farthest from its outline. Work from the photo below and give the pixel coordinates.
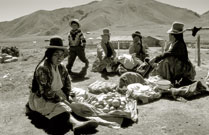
(117, 14)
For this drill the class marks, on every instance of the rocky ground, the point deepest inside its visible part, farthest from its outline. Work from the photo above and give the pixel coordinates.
(162, 117)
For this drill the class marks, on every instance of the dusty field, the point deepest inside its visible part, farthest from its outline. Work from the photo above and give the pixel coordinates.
(163, 117)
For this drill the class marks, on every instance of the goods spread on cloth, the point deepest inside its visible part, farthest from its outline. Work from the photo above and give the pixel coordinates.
(104, 104)
(108, 108)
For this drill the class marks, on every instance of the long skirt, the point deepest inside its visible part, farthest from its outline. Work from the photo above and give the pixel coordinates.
(173, 69)
(47, 108)
(106, 63)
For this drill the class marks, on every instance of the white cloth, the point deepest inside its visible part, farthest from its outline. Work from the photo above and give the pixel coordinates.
(129, 61)
(56, 82)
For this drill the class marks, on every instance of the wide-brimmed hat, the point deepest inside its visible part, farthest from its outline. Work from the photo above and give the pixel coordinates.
(75, 21)
(137, 33)
(176, 28)
(106, 32)
(56, 42)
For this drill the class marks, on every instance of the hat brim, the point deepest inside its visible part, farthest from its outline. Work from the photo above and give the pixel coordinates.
(106, 34)
(171, 31)
(134, 34)
(56, 47)
(74, 22)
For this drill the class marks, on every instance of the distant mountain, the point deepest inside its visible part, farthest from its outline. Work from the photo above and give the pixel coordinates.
(205, 19)
(97, 15)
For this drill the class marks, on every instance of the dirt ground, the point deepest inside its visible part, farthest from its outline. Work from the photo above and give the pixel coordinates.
(162, 117)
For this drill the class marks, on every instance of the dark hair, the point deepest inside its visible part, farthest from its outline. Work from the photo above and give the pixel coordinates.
(179, 37)
(73, 22)
(142, 47)
(48, 54)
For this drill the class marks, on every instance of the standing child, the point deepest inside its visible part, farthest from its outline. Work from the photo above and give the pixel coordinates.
(77, 43)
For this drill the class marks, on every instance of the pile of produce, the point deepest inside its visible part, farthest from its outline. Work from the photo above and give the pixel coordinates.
(108, 102)
(99, 87)
(114, 104)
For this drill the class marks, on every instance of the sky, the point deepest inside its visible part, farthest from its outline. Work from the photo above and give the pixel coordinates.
(12, 9)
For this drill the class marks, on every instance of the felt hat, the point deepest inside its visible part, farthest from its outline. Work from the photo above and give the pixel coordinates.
(137, 33)
(106, 32)
(176, 28)
(75, 21)
(56, 42)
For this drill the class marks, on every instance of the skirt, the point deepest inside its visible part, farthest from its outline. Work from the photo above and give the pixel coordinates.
(173, 69)
(47, 108)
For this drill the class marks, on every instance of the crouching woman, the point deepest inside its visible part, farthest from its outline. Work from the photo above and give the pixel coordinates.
(105, 55)
(51, 86)
(174, 64)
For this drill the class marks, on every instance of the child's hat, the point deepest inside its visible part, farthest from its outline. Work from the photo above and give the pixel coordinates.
(75, 21)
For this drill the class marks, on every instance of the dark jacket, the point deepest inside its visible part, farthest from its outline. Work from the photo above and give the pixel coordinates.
(108, 49)
(76, 38)
(178, 50)
(139, 50)
(44, 78)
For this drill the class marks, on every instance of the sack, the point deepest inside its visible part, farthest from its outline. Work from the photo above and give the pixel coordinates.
(129, 61)
(189, 91)
(129, 78)
(143, 93)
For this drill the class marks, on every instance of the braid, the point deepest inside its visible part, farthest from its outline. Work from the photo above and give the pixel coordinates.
(35, 85)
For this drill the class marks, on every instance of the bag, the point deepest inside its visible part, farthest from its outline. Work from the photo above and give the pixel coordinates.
(144, 69)
(143, 93)
(129, 61)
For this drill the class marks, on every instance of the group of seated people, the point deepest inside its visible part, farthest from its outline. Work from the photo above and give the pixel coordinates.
(51, 85)
(173, 65)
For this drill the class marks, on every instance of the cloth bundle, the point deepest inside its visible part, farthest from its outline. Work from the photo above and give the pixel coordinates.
(129, 61)
(99, 87)
(143, 93)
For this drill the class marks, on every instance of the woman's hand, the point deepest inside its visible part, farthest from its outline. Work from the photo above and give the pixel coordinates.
(152, 61)
(57, 98)
(70, 99)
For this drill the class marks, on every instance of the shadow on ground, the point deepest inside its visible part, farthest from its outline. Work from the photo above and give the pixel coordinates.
(58, 125)
(79, 76)
(106, 75)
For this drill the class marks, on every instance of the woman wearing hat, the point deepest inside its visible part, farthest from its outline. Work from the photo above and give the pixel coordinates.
(137, 51)
(174, 64)
(105, 53)
(137, 47)
(51, 86)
